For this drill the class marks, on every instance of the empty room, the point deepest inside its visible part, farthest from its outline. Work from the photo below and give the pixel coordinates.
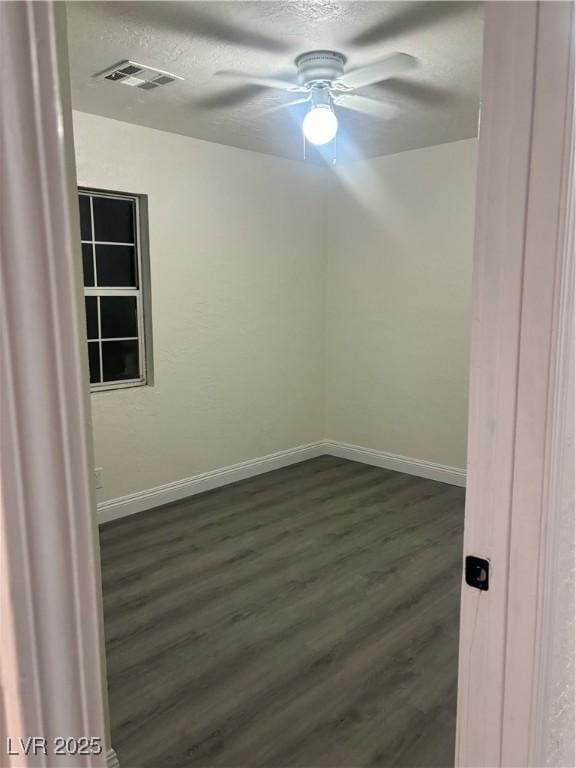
(287, 384)
(276, 210)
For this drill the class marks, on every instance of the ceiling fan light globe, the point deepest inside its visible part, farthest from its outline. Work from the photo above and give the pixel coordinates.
(320, 125)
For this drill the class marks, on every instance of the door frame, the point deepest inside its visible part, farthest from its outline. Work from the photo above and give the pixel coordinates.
(52, 664)
(521, 360)
(520, 436)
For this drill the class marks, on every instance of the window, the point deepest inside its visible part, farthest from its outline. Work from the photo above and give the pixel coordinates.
(115, 288)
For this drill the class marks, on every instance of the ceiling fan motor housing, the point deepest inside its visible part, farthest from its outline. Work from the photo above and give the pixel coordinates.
(320, 67)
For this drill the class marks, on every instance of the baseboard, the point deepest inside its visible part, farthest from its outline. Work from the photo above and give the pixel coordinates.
(207, 481)
(427, 469)
(112, 759)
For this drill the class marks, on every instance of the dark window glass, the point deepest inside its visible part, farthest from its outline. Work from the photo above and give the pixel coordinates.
(116, 266)
(118, 317)
(110, 261)
(94, 361)
(87, 264)
(120, 360)
(113, 220)
(85, 218)
(91, 316)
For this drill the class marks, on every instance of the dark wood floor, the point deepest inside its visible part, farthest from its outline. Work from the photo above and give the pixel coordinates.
(306, 617)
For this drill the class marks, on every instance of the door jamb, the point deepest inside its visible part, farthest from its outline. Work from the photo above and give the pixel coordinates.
(52, 665)
(519, 398)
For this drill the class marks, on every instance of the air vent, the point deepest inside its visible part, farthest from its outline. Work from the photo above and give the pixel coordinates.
(138, 75)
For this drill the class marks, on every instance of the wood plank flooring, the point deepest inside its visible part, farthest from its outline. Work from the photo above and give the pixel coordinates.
(303, 618)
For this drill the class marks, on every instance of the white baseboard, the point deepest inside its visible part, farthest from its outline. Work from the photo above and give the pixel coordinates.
(419, 467)
(112, 759)
(180, 489)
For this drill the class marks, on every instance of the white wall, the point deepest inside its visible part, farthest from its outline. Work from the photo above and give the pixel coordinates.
(289, 304)
(237, 278)
(399, 258)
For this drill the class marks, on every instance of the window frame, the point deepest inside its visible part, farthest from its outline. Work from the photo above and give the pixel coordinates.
(141, 291)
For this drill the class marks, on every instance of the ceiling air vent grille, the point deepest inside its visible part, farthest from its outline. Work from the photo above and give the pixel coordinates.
(138, 75)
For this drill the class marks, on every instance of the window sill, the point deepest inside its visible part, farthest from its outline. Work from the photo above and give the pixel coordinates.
(97, 388)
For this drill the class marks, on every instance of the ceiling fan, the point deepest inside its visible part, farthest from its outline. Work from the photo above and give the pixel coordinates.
(324, 85)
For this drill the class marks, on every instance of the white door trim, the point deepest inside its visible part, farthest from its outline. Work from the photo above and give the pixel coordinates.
(526, 124)
(554, 711)
(52, 662)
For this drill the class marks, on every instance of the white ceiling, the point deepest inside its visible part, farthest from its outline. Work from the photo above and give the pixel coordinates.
(437, 101)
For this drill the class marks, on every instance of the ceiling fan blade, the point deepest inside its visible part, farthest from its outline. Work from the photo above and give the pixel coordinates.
(373, 107)
(214, 27)
(230, 97)
(192, 19)
(264, 81)
(279, 107)
(375, 73)
(407, 90)
(408, 18)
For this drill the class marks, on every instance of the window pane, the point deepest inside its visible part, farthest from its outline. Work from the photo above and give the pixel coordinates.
(120, 360)
(87, 264)
(116, 266)
(85, 218)
(113, 220)
(118, 317)
(94, 361)
(91, 316)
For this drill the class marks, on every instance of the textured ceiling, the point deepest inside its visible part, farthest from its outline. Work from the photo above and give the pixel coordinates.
(436, 102)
